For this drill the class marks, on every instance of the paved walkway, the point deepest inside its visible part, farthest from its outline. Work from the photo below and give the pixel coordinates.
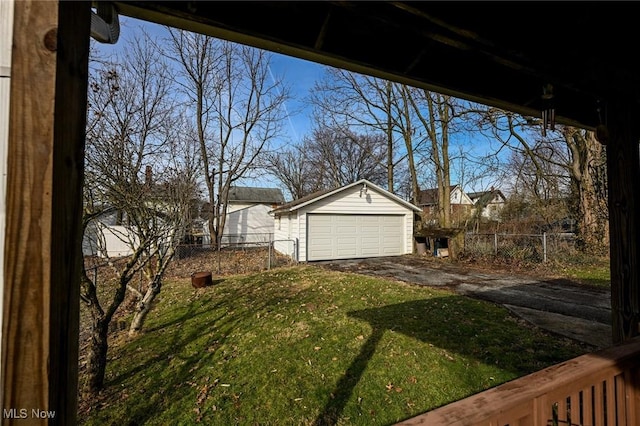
(570, 310)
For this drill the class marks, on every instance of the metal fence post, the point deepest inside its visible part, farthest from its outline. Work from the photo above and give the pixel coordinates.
(218, 243)
(495, 243)
(544, 247)
(269, 255)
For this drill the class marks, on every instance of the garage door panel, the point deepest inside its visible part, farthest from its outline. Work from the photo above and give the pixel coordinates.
(370, 219)
(370, 241)
(389, 251)
(370, 229)
(344, 240)
(320, 254)
(351, 236)
(347, 230)
(371, 252)
(344, 253)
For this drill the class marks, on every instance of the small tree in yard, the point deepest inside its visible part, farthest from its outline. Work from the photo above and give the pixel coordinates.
(130, 127)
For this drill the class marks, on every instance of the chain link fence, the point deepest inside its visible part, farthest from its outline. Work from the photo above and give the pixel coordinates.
(535, 248)
(236, 254)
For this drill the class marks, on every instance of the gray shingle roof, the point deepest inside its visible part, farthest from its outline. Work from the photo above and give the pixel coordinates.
(429, 197)
(247, 194)
(484, 197)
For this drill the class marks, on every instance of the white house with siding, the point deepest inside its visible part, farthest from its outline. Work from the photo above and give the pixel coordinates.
(354, 221)
(488, 203)
(248, 219)
(104, 238)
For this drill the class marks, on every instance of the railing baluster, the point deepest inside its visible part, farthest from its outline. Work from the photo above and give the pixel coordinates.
(575, 408)
(563, 411)
(587, 406)
(599, 406)
(620, 398)
(611, 401)
(631, 400)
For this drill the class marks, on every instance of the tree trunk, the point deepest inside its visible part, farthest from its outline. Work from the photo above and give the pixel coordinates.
(100, 320)
(389, 131)
(97, 353)
(588, 177)
(144, 306)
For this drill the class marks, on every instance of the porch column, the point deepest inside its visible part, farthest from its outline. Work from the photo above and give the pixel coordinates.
(623, 173)
(43, 212)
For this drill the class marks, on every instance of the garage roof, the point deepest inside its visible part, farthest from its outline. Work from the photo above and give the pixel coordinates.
(317, 196)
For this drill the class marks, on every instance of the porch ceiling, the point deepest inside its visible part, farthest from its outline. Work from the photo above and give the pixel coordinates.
(497, 53)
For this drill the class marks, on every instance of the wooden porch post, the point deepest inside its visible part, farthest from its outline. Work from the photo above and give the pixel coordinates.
(43, 209)
(623, 172)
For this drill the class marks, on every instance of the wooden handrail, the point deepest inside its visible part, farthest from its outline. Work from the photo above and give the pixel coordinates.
(582, 391)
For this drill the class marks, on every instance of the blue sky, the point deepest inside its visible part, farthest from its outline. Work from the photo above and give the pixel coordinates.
(299, 74)
(303, 74)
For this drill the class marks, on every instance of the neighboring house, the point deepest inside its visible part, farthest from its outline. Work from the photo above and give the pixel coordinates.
(103, 238)
(248, 219)
(489, 204)
(112, 234)
(354, 221)
(461, 205)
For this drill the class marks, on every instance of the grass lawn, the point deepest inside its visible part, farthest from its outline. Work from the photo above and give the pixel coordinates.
(303, 346)
(588, 270)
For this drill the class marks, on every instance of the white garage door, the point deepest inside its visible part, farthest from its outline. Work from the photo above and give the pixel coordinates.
(332, 236)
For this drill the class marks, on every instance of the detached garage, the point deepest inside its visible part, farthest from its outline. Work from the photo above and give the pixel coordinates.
(355, 221)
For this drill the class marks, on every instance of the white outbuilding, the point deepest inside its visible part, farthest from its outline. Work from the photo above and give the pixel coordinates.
(354, 221)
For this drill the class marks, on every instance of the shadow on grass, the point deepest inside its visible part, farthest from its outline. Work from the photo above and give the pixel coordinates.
(171, 360)
(457, 324)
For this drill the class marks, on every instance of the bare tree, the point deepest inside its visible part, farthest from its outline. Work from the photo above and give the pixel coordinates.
(539, 192)
(436, 113)
(293, 168)
(339, 157)
(129, 125)
(329, 158)
(567, 164)
(346, 100)
(238, 110)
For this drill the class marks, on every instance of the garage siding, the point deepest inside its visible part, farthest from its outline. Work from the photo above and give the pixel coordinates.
(286, 235)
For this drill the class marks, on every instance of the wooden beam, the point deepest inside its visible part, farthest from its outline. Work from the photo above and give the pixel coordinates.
(44, 207)
(623, 173)
(6, 37)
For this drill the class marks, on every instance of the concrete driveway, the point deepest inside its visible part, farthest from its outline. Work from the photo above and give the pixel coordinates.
(570, 310)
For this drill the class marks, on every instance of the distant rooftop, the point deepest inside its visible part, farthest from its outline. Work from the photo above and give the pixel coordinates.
(429, 196)
(246, 194)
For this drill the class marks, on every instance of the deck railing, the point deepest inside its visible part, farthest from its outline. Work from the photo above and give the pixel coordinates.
(597, 389)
